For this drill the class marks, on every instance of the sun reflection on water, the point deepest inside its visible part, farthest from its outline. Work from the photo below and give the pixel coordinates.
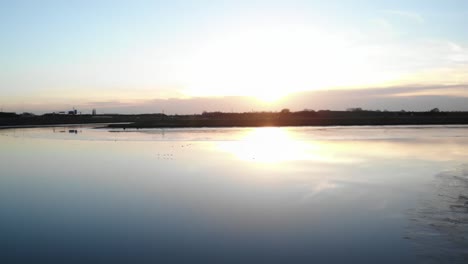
(273, 145)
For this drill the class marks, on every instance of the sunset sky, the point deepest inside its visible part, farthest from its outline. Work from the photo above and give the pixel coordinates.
(190, 56)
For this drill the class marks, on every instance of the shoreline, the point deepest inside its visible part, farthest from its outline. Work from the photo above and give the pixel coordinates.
(102, 125)
(111, 126)
(251, 119)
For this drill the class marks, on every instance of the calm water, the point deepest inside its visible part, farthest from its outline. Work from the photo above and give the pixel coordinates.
(236, 195)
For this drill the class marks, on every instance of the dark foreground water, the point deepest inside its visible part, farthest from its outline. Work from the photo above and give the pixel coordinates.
(238, 195)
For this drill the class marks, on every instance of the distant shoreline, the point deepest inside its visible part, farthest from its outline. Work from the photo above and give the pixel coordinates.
(167, 127)
(260, 119)
(103, 125)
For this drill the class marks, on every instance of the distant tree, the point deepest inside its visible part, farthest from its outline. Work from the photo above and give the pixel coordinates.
(435, 110)
(285, 111)
(357, 109)
(26, 114)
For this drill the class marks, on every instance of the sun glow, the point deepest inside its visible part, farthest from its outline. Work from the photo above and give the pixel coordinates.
(275, 145)
(270, 62)
(270, 97)
(266, 145)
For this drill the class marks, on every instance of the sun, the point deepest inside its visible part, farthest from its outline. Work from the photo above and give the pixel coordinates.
(270, 62)
(270, 97)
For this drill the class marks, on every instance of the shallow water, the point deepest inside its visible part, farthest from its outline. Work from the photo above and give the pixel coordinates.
(234, 195)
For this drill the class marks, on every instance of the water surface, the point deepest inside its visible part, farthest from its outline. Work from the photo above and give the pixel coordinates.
(234, 195)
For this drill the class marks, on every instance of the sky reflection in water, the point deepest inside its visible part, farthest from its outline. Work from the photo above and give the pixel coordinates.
(294, 195)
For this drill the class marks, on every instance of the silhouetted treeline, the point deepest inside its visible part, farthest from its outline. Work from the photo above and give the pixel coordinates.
(248, 119)
(303, 118)
(8, 115)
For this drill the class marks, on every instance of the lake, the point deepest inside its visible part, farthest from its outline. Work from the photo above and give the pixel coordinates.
(79, 194)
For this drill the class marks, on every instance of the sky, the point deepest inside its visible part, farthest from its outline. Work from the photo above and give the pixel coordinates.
(184, 56)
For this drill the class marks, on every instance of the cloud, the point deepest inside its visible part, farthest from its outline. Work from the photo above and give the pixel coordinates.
(408, 15)
(411, 98)
(408, 97)
(384, 24)
(460, 91)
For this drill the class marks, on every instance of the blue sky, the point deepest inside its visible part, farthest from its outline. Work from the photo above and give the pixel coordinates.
(57, 54)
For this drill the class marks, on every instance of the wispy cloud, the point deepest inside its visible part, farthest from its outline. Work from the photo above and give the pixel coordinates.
(384, 24)
(461, 92)
(418, 18)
